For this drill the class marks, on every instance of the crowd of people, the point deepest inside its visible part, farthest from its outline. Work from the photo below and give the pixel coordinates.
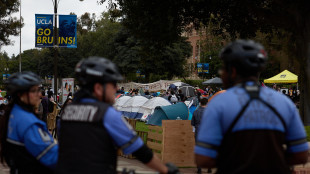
(246, 129)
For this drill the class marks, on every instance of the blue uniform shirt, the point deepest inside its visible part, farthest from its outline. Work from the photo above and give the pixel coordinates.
(25, 129)
(222, 110)
(121, 132)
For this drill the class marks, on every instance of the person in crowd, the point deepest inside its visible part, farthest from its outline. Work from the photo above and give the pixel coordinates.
(284, 93)
(198, 93)
(196, 119)
(147, 92)
(68, 101)
(91, 130)
(26, 144)
(39, 109)
(249, 128)
(44, 102)
(181, 95)
(173, 98)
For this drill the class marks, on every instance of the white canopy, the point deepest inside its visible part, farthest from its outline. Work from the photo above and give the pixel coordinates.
(149, 106)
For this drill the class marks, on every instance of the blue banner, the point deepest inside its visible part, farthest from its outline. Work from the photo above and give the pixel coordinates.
(44, 30)
(67, 31)
(203, 68)
(6, 76)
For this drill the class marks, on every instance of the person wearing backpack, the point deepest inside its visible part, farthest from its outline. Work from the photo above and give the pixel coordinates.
(173, 98)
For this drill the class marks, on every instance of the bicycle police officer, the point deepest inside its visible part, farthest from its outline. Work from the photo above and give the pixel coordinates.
(26, 144)
(91, 130)
(249, 128)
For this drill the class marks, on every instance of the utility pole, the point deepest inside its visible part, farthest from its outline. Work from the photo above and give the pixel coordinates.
(20, 36)
(55, 49)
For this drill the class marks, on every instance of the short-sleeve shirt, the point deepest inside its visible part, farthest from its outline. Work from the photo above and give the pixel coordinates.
(257, 120)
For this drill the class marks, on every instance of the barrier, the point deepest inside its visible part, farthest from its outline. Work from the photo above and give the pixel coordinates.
(51, 118)
(173, 142)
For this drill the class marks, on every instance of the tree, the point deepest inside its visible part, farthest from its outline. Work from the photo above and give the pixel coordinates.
(8, 25)
(132, 54)
(163, 21)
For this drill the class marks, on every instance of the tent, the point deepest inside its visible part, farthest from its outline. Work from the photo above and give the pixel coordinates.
(131, 107)
(214, 81)
(120, 102)
(283, 77)
(177, 111)
(188, 91)
(179, 84)
(149, 107)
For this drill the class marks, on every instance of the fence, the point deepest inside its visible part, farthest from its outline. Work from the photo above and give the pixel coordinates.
(173, 142)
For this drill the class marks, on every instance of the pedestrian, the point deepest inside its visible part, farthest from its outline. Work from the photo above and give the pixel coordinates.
(173, 98)
(26, 144)
(44, 101)
(91, 130)
(249, 128)
(181, 95)
(195, 122)
(39, 109)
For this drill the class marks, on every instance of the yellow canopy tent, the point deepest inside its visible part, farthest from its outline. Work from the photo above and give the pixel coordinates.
(283, 77)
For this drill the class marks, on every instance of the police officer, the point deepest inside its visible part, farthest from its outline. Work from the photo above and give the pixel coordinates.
(91, 130)
(26, 144)
(249, 128)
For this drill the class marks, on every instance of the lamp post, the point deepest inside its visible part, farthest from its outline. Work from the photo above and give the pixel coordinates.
(20, 36)
(55, 2)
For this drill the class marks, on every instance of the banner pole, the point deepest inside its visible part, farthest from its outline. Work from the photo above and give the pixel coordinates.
(55, 51)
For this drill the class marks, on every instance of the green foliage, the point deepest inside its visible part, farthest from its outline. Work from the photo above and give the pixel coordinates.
(8, 25)
(107, 37)
(154, 61)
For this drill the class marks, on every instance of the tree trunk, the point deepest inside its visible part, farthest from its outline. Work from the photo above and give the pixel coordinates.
(304, 77)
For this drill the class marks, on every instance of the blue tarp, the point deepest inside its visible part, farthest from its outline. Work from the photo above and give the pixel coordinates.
(171, 112)
(191, 111)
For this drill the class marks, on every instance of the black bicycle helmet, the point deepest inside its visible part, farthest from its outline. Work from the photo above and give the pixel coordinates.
(21, 82)
(96, 69)
(247, 56)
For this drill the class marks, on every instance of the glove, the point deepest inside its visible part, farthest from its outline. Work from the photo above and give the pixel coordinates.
(172, 169)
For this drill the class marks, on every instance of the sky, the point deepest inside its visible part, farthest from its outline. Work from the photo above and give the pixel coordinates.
(32, 7)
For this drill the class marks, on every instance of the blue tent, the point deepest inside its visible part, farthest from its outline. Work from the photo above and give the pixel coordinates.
(171, 112)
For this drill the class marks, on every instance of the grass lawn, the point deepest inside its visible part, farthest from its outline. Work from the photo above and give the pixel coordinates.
(141, 126)
(307, 128)
(3, 93)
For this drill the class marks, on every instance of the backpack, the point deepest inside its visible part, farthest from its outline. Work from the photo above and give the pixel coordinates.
(174, 99)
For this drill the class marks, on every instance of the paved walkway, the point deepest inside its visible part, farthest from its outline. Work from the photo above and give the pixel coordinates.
(140, 168)
(128, 164)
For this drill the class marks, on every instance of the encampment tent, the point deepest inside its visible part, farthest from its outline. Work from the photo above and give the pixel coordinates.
(171, 112)
(131, 107)
(120, 102)
(283, 77)
(214, 81)
(149, 107)
(188, 91)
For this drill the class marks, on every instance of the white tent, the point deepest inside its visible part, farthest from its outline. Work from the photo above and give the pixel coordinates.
(132, 106)
(120, 102)
(149, 106)
(179, 84)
